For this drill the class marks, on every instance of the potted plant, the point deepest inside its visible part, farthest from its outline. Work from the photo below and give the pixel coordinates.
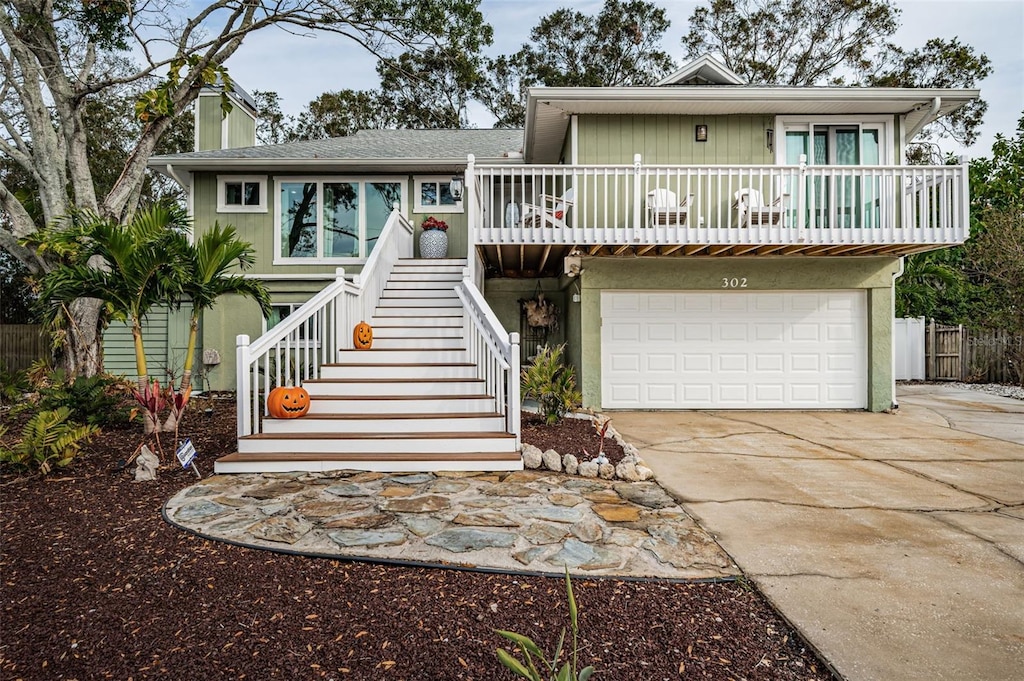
(434, 239)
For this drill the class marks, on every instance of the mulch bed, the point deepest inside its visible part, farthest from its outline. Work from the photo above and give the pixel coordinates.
(97, 586)
(571, 436)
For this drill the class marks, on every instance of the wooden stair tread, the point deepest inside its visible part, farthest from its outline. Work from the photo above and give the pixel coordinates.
(458, 435)
(371, 398)
(397, 417)
(394, 380)
(387, 456)
(396, 364)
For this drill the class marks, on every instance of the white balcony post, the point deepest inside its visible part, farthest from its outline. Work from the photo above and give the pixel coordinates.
(801, 195)
(514, 405)
(637, 193)
(243, 384)
(470, 197)
(340, 333)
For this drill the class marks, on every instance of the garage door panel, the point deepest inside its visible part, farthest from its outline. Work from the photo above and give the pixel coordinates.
(662, 363)
(662, 394)
(698, 350)
(661, 333)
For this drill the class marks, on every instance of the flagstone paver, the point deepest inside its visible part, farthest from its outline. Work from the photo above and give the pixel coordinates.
(538, 521)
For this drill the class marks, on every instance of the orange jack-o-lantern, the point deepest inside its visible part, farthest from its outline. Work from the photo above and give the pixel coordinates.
(362, 336)
(288, 402)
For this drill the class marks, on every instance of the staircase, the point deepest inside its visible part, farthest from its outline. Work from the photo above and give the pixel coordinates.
(412, 402)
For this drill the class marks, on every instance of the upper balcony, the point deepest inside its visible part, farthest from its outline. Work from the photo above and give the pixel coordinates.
(523, 218)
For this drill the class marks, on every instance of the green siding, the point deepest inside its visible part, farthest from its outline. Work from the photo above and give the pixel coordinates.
(763, 273)
(503, 295)
(119, 347)
(208, 118)
(241, 129)
(669, 140)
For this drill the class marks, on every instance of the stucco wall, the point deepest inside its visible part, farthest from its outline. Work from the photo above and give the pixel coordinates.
(763, 273)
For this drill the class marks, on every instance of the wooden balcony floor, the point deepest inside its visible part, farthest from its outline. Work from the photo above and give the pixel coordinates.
(536, 260)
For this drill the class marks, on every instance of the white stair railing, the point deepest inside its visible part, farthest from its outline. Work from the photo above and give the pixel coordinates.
(494, 351)
(314, 334)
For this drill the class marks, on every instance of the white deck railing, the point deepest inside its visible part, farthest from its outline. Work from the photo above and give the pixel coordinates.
(815, 204)
(311, 336)
(494, 351)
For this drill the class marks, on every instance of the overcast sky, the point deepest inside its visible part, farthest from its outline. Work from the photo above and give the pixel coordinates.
(300, 69)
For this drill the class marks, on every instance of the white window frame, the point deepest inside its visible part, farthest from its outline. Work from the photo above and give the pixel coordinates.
(222, 204)
(292, 307)
(884, 125)
(421, 180)
(363, 180)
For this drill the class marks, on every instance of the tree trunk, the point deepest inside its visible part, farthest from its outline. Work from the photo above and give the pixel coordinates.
(83, 348)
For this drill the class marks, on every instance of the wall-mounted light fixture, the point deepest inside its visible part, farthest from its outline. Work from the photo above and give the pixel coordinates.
(701, 133)
(455, 186)
(769, 139)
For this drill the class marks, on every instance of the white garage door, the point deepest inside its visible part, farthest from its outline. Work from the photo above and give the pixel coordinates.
(733, 350)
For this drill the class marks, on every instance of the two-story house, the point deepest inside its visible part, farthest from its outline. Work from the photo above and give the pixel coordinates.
(707, 244)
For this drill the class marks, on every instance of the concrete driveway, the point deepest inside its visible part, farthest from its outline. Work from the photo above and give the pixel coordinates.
(894, 543)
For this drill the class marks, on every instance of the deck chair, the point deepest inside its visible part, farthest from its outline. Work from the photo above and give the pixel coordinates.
(750, 202)
(663, 209)
(553, 213)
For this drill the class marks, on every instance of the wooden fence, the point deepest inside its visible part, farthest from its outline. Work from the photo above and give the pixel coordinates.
(956, 353)
(21, 345)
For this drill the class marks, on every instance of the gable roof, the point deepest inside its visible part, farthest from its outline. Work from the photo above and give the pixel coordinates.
(705, 70)
(383, 150)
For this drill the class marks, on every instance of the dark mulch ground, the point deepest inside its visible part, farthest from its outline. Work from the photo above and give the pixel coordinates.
(572, 436)
(97, 586)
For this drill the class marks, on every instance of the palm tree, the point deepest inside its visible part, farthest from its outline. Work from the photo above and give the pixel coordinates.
(924, 276)
(133, 267)
(206, 280)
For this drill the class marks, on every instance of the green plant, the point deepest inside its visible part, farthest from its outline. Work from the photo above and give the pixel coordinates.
(528, 667)
(49, 439)
(97, 400)
(552, 384)
(12, 384)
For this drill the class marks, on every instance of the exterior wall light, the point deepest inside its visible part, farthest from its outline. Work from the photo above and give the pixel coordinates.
(702, 133)
(456, 187)
(769, 139)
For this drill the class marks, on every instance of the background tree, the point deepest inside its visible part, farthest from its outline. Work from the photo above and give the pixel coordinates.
(342, 113)
(620, 46)
(835, 42)
(57, 57)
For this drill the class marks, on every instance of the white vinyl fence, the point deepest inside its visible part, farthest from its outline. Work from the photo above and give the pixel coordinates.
(909, 348)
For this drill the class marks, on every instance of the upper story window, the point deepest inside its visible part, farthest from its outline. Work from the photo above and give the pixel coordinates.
(332, 219)
(434, 195)
(238, 194)
(834, 140)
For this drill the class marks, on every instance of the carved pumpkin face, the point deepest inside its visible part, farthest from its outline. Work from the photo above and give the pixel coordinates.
(288, 402)
(362, 336)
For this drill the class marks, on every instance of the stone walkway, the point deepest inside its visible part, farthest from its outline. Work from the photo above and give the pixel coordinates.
(533, 521)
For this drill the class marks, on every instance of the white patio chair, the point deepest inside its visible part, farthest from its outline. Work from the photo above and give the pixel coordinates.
(663, 209)
(750, 205)
(553, 213)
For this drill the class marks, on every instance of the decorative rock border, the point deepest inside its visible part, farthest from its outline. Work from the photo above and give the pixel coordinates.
(630, 469)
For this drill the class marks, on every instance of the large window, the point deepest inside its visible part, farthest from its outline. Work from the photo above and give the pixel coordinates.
(834, 198)
(333, 219)
(237, 194)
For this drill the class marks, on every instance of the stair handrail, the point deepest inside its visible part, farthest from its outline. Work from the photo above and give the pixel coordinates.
(494, 351)
(313, 334)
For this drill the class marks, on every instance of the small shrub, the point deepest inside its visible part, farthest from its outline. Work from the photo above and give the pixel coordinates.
(527, 668)
(96, 400)
(13, 384)
(49, 439)
(552, 384)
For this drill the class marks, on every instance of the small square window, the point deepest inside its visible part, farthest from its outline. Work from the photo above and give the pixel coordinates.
(435, 195)
(241, 195)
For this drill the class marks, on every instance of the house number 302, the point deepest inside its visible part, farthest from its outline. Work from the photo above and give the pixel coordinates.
(734, 282)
